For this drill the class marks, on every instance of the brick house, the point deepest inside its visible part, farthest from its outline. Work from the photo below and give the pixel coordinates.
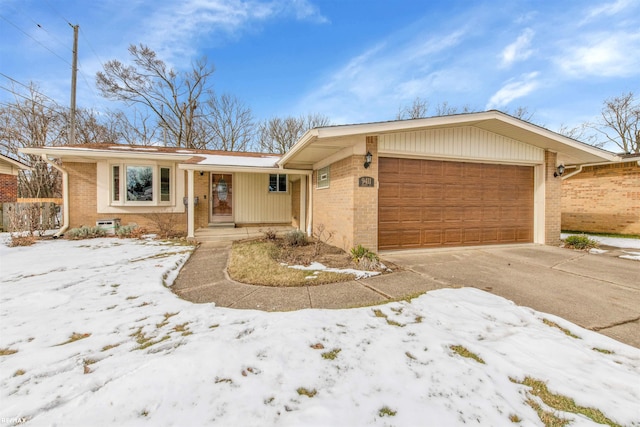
(9, 169)
(603, 197)
(468, 179)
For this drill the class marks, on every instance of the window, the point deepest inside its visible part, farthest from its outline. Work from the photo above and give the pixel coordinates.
(323, 177)
(141, 184)
(165, 184)
(277, 183)
(115, 183)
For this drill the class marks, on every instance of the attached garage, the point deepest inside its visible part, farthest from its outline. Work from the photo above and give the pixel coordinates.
(462, 180)
(433, 203)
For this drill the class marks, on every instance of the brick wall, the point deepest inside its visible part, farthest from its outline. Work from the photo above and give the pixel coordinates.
(8, 188)
(366, 200)
(604, 198)
(333, 206)
(553, 189)
(295, 204)
(347, 210)
(83, 202)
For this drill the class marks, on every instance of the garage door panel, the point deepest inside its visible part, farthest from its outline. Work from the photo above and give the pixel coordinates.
(442, 203)
(431, 214)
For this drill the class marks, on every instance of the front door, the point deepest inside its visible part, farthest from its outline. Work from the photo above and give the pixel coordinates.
(221, 209)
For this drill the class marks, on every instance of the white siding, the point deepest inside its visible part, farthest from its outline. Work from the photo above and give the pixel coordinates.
(464, 143)
(255, 204)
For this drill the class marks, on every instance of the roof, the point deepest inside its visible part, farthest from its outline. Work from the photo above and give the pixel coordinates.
(13, 164)
(320, 143)
(191, 158)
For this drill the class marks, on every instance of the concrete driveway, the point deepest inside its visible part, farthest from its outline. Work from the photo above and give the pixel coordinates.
(597, 292)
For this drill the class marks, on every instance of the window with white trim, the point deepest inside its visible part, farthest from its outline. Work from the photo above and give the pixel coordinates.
(277, 183)
(141, 184)
(323, 177)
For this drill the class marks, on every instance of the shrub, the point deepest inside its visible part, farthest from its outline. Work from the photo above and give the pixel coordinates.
(21, 240)
(269, 234)
(85, 233)
(295, 238)
(580, 242)
(365, 258)
(130, 231)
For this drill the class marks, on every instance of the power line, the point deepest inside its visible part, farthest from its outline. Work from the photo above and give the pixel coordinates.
(30, 100)
(28, 87)
(34, 39)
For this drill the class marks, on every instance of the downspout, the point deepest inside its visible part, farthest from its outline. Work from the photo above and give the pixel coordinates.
(577, 171)
(65, 196)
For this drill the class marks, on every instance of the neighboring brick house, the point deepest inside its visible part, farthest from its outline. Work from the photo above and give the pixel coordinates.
(469, 179)
(9, 169)
(603, 198)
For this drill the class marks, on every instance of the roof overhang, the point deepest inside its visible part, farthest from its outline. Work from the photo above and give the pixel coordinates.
(13, 164)
(320, 143)
(77, 154)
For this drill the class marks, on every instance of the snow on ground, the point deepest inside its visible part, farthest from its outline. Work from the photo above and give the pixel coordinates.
(142, 356)
(616, 242)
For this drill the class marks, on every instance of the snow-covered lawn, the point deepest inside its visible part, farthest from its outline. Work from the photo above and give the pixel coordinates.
(100, 340)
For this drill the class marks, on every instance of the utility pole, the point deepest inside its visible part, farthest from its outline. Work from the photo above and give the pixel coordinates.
(74, 72)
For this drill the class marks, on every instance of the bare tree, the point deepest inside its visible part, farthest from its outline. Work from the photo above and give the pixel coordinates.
(445, 109)
(91, 128)
(417, 110)
(619, 123)
(32, 121)
(521, 113)
(135, 129)
(230, 122)
(174, 98)
(277, 135)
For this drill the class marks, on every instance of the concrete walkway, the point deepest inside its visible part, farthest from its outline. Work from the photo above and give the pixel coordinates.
(204, 279)
(601, 293)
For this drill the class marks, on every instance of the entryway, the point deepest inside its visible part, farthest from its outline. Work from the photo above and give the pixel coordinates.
(221, 200)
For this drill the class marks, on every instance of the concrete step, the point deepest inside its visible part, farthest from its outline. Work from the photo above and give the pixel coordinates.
(220, 234)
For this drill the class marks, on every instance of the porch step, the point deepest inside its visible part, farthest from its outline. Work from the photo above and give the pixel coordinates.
(226, 234)
(222, 225)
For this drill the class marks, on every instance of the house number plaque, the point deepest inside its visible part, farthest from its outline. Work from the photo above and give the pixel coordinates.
(365, 181)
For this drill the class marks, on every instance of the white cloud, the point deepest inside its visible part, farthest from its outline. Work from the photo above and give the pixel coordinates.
(514, 89)
(605, 54)
(519, 50)
(607, 9)
(172, 28)
(385, 75)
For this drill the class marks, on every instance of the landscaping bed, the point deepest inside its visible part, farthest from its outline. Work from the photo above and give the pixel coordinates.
(268, 262)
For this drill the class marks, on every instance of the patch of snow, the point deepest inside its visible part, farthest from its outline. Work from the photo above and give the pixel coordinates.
(597, 251)
(617, 242)
(316, 266)
(152, 358)
(632, 255)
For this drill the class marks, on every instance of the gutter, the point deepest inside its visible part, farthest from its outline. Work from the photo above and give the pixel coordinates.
(65, 196)
(579, 170)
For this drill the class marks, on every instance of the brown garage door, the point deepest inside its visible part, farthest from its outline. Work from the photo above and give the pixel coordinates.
(429, 203)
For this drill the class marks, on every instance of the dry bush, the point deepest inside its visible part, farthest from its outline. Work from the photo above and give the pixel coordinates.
(165, 225)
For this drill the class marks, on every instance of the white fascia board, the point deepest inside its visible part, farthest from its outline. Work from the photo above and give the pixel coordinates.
(226, 168)
(59, 152)
(14, 163)
(303, 142)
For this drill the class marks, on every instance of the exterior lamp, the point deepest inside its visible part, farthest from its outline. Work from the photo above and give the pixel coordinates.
(559, 171)
(368, 158)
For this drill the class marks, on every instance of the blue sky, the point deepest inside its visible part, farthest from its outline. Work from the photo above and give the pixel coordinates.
(353, 60)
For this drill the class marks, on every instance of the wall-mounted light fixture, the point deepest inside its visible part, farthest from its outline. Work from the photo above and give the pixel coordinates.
(559, 171)
(368, 158)
(201, 173)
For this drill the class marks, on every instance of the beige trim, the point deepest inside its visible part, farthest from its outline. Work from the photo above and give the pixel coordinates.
(539, 205)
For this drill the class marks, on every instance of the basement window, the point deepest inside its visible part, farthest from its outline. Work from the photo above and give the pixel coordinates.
(277, 183)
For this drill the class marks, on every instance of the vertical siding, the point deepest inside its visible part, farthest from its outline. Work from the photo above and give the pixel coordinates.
(254, 203)
(463, 142)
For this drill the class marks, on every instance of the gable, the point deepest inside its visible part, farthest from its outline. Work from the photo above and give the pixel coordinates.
(464, 142)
